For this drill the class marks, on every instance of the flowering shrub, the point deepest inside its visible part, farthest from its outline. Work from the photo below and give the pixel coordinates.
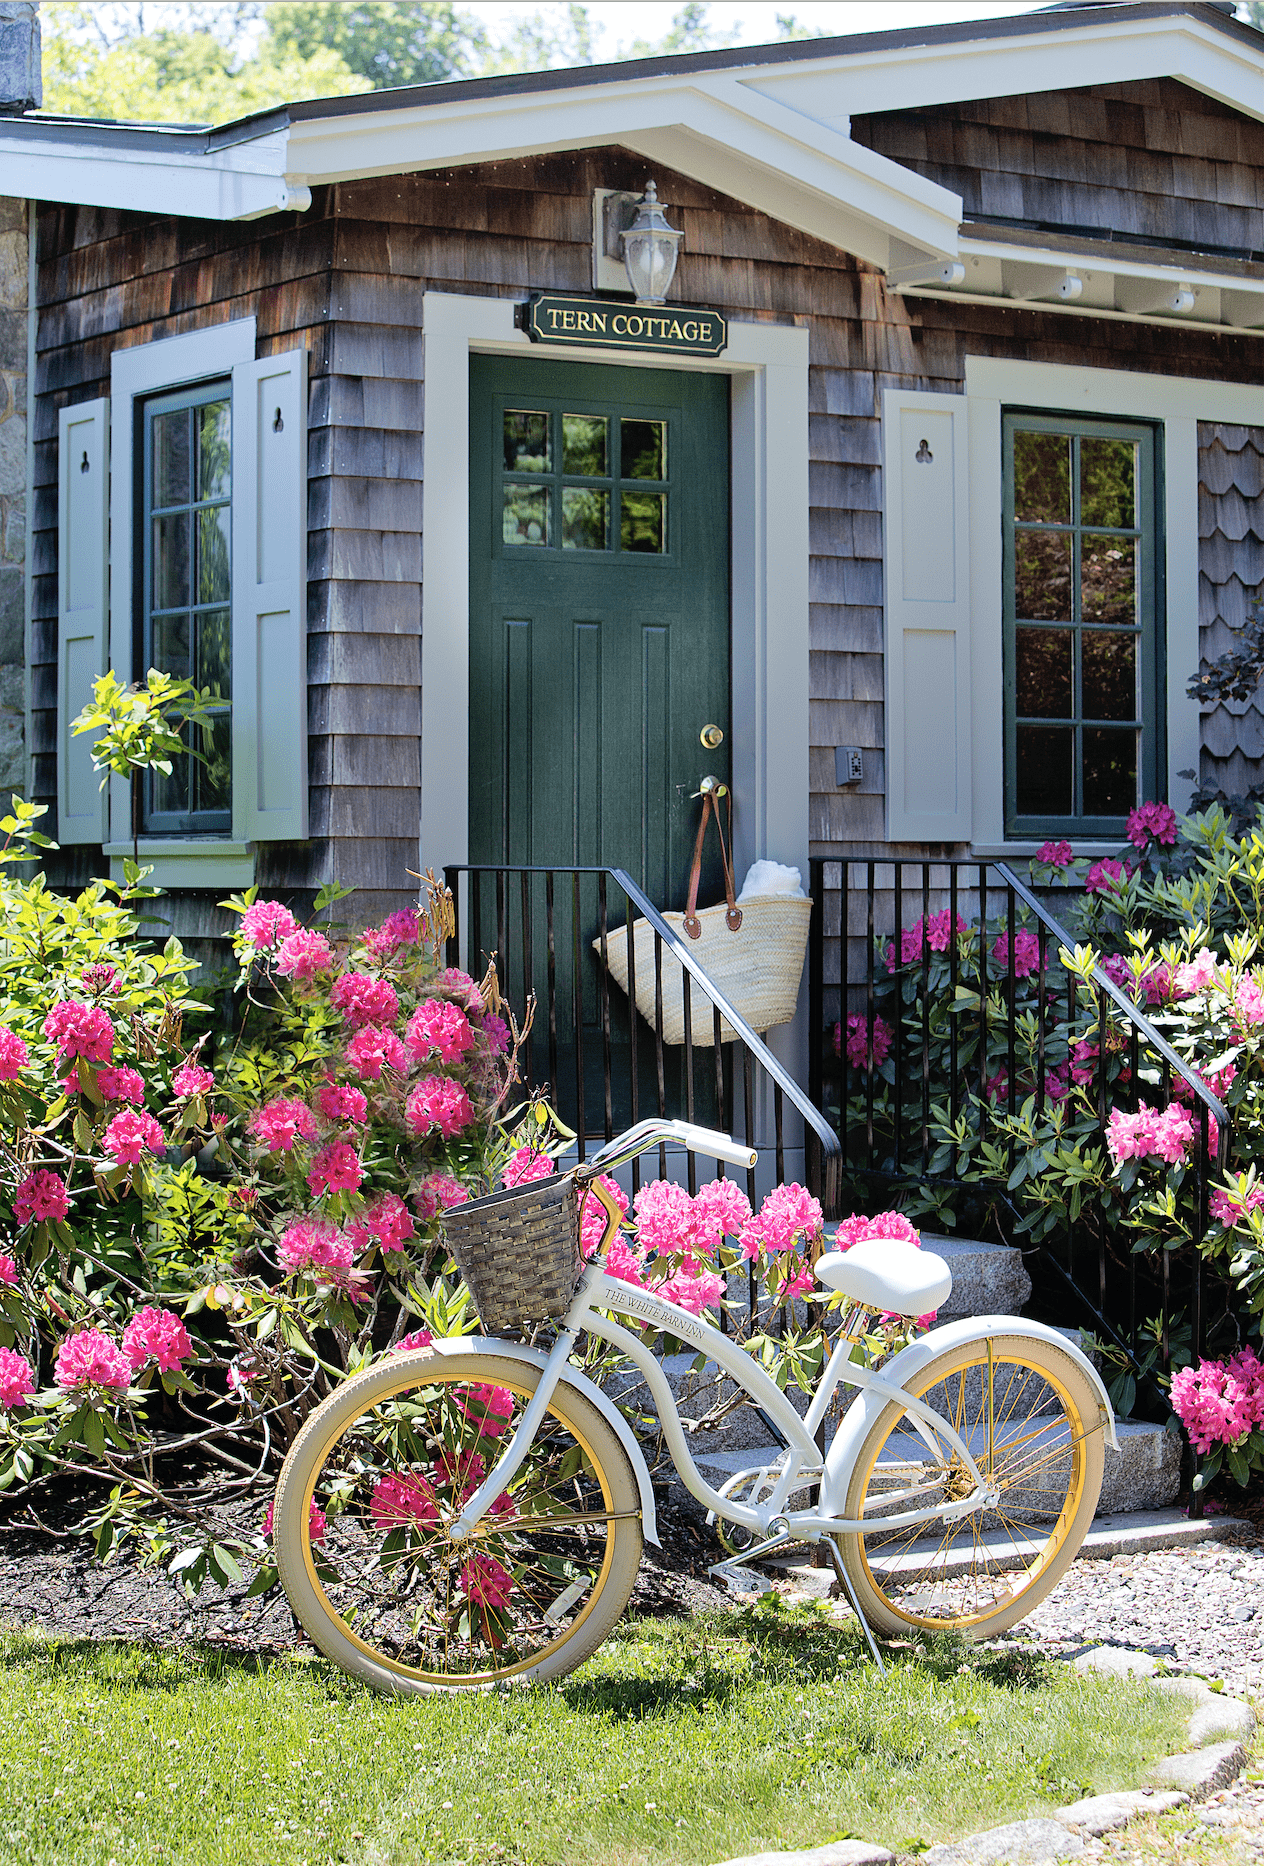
(1221, 1406)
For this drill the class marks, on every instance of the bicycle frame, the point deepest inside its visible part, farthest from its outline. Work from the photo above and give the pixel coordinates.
(598, 1296)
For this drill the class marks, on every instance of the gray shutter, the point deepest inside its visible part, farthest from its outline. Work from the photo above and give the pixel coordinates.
(270, 598)
(926, 527)
(83, 602)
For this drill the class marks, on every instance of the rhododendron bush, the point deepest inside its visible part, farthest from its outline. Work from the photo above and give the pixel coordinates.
(1089, 1133)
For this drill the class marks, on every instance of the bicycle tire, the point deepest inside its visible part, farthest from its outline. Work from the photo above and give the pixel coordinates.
(343, 1458)
(948, 1577)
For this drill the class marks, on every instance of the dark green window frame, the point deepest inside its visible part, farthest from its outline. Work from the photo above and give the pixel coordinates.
(185, 628)
(1076, 751)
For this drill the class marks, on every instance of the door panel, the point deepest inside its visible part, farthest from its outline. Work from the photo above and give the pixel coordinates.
(599, 648)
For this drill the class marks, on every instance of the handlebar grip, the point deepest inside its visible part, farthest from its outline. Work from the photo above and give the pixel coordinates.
(719, 1146)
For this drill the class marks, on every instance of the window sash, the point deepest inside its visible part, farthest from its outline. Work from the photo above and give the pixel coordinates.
(190, 821)
(1148, 632)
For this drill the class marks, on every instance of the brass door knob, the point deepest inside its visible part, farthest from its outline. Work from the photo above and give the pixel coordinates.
(711, 736)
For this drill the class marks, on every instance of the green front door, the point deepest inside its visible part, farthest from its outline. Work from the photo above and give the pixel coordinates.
(599, 629)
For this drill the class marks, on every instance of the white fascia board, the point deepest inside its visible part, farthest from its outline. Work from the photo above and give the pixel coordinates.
(822, 181)
(1121, 51)
(236, 183)
(1120, 266)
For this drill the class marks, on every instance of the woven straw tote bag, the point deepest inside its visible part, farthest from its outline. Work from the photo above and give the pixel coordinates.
(753, 954)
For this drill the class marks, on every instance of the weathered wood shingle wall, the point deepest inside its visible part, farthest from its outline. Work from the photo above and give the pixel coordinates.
(1230, 579)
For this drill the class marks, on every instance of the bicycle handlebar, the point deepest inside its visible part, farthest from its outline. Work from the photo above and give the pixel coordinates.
(648, 1134)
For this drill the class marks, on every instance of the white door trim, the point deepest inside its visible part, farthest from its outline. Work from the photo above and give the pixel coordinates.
(768, 364)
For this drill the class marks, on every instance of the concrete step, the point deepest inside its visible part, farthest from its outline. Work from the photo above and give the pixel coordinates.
(1144, 1475)
(987, 1279)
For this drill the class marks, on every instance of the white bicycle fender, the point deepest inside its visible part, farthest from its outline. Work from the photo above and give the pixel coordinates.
(867, 1405)
(515, 1351)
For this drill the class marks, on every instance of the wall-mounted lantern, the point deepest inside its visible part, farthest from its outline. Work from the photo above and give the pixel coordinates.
(633, 244)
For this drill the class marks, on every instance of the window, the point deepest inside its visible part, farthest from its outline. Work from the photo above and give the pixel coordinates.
(185, 613)
(593, 482)
(1082, 630)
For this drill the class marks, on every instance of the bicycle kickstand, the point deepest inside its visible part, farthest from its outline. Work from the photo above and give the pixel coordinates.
(844, 1581)
(771, 1547)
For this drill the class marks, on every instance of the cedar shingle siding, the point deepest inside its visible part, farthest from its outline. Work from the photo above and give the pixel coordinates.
(346, 279)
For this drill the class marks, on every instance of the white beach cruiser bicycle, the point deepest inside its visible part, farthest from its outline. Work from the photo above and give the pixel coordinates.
(485, 1504)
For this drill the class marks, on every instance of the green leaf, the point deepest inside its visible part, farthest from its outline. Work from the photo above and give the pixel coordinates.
(94, 1432)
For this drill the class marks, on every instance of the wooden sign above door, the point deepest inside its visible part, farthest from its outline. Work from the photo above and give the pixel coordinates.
(670, 330)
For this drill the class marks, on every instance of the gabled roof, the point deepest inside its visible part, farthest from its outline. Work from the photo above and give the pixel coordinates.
(768, 125)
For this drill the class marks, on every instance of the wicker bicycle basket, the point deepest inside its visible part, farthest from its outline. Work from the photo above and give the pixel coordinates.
(519, 1252)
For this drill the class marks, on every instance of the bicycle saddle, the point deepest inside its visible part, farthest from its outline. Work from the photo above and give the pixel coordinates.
(887, 1273)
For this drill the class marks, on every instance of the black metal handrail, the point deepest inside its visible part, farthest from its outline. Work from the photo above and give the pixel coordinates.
(823, 1153)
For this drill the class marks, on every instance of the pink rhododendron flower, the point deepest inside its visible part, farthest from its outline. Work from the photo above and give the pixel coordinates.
(1248, 1003)
(1026, 952)
(1131, 1136)
(338, 1103)
(1198, 975)
(488, 1408)
(1105, 876)
(436, 1193)
(1055, 854)
(266, 923)
(487, 1582)
(373, 1049)
(1057, 1085)
(1170, 1136)
(316, 1523)
(8, 1270)
(938, 930)
(91, 1359)
(1220, 1402)
(156, 1335)
(419, 1338)
(996, 1088)
(100, 978)
(14, 1055)
(692, 1287)
(363, 999)
(799, 1284)
(1156, 984)
(278, 1124)
(789, 1212)
(858, 1230)
(624, 1263)
(192, 1079)
(80, 1030)
(525, 1165)
(437, 1028)
(664, 1218)
(721, 1209)
(1153, 822)
(860, 1053)
(496, 1030)
(396, 931)
(130, 1134)
(593, 1218)
(397, 1502)
(41, 1195)
(1229, 1207)
(461, 986)
(121, 1084)
(438, 1102)
(336, 1168)
(17, 1383)
(304, 954)
(390, 1221)
(315, 1244)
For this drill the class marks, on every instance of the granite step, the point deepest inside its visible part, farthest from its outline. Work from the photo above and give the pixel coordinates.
(987, 1279)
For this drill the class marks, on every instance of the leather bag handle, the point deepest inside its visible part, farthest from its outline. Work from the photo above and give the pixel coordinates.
(733, 916)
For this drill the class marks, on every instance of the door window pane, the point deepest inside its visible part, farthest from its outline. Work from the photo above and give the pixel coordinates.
(585, 519)
(1044, 672)
(214, 652)
(1042, 478)
(1108, 579)
(213, 554)
(1110, 772)
(171, 459)
(643, 521)
(1108, 674)
(525, 517)
(527, 442)
(643, 449)
(1042, 575)
(169, 652)
(1044, 770)
(215, 451)
(584, 445)
(1108, 482)
(171, 561)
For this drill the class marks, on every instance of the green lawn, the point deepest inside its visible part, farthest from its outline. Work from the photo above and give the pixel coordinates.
(681, 1743)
